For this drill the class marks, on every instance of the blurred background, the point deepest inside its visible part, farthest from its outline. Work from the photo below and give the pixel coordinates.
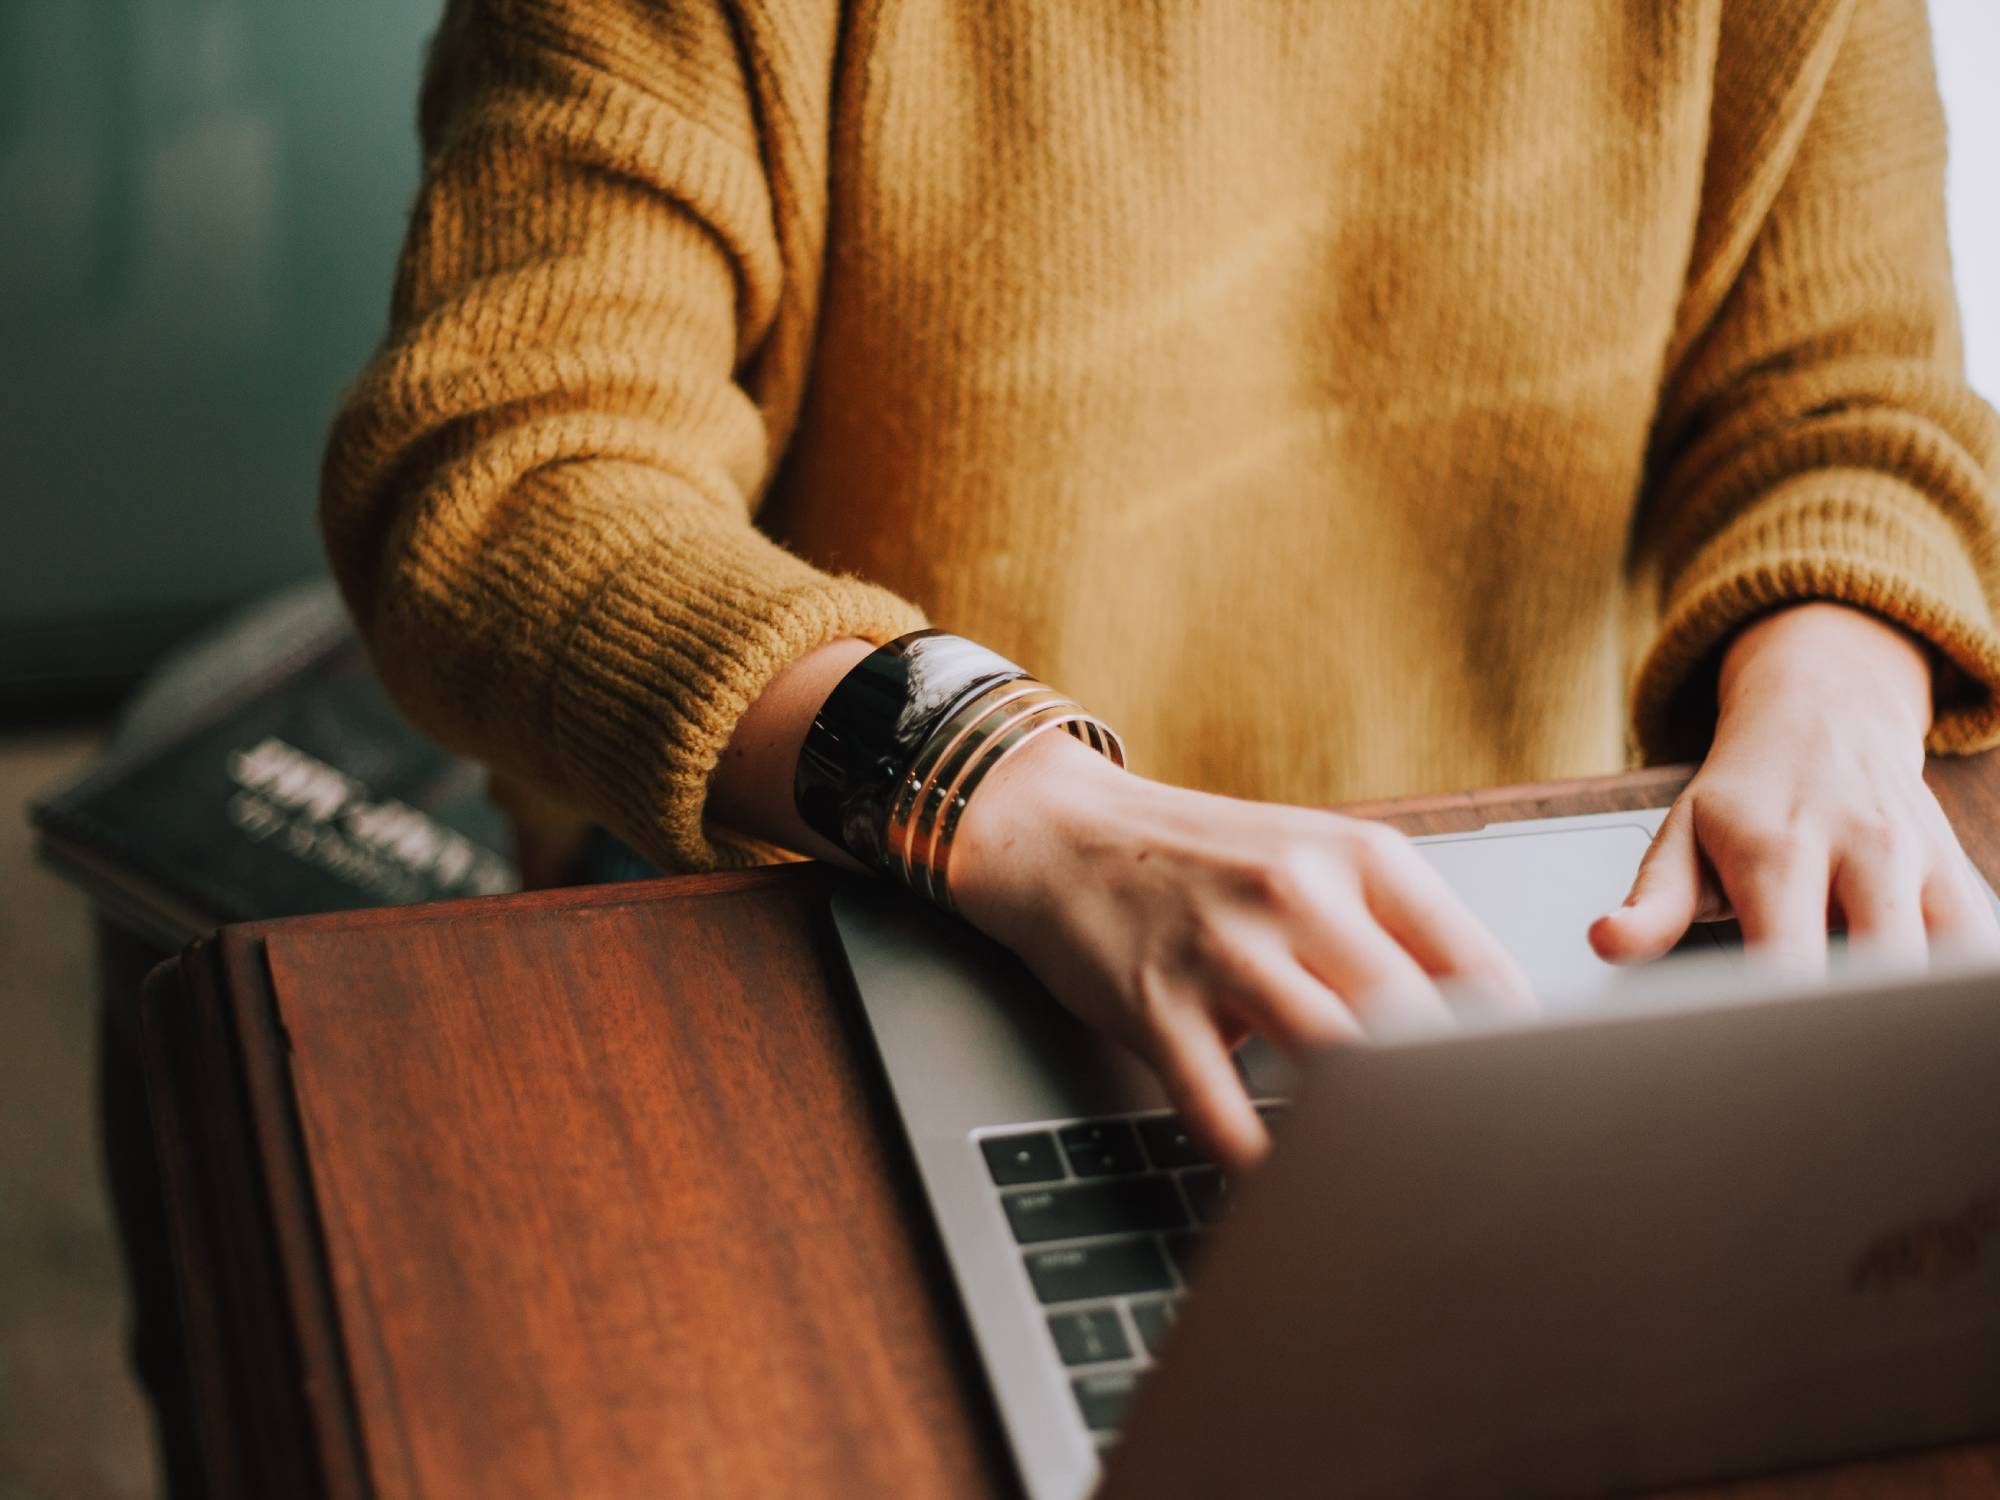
(200, 202)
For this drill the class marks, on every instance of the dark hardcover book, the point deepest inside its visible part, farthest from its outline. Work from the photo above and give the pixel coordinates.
(300, 789)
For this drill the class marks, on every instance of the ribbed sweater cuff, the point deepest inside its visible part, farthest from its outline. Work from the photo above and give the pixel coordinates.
(665, 660)
(1859, 537)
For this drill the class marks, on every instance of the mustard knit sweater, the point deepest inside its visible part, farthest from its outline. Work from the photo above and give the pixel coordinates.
(1342, 399)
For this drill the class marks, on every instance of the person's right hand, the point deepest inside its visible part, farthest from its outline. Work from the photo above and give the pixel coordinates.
(1179, 922)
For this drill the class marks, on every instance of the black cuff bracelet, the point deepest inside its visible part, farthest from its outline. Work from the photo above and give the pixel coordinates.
(869, 731)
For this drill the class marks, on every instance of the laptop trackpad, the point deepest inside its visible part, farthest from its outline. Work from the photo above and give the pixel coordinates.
(1539, 891)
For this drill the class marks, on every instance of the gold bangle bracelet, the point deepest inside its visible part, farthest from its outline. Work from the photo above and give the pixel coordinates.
(950, 777)
(903, 739)
(996, 749)
(911, 807)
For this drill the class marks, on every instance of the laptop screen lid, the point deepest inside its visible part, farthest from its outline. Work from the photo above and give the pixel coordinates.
(1746, 1231)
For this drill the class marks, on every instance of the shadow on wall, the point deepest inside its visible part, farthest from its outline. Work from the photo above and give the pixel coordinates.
(203, 200)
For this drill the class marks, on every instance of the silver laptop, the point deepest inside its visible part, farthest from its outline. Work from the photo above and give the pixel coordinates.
(1681, 1226)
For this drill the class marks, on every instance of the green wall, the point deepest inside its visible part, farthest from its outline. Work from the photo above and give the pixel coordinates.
(200, 202)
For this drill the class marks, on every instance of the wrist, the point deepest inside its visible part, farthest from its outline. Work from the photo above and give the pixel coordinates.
(1831, 654)
(907, 740)
(1029, 813)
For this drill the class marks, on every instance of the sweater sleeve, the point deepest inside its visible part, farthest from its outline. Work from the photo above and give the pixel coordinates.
(1816, 438)
(538, 499)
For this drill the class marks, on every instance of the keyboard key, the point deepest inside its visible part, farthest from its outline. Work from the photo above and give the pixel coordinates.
(1153, 1318)
(1022, 1158)
(1274, 1113)
(1100, 1148)
(1092, 1272)
(1168, 1143)
(1088, 1335)
(1184, 1249)
(1104, 1398)
(1208, 1191)
(1128, 1205)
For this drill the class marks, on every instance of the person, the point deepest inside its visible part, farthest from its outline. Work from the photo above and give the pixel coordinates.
(1338, 400)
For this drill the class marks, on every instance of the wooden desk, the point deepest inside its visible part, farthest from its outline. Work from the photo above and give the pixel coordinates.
(596, 1193)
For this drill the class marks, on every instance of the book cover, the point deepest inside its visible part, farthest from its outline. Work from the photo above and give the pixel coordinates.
(304, 790)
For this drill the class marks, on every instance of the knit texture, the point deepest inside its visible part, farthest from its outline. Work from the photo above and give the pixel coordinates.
(1342, 400)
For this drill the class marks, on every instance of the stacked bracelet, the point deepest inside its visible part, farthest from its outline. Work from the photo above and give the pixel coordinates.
(899, 747)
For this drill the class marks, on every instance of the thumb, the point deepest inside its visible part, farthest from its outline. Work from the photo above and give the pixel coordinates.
(1666, 895)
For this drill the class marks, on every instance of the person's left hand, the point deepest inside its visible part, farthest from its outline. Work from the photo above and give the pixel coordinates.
(1811, 807)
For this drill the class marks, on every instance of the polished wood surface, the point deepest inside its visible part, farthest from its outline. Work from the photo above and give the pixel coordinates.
(597, 1193)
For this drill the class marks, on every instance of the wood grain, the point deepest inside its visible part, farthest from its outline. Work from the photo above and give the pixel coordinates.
(597, 1193)
(625, 1209)
(261, 1411)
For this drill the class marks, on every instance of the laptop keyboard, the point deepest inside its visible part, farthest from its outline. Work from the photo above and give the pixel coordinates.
(1110, 1216)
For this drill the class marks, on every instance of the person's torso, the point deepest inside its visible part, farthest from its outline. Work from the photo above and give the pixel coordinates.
(1276, 379)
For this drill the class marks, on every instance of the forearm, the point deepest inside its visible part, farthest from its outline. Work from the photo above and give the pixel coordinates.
(539, 497)
(751, 792)
(1817, 438)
